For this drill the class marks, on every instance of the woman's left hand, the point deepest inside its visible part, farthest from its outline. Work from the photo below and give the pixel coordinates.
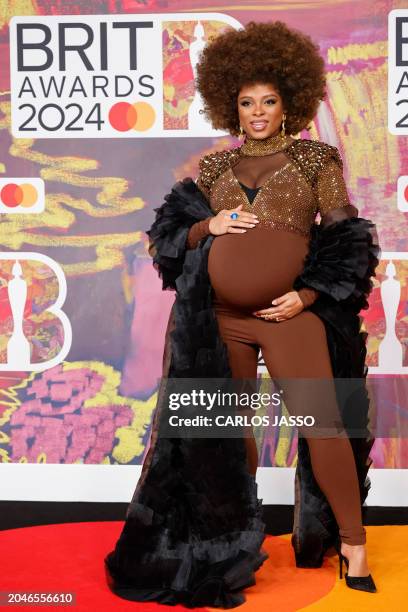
(285, 307)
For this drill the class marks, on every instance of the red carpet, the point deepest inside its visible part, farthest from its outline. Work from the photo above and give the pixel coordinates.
(69, 558)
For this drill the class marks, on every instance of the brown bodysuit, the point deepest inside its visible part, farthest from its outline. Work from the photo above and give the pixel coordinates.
(248, 270)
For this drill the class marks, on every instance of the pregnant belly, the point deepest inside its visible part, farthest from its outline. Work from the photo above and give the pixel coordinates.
(247, 271)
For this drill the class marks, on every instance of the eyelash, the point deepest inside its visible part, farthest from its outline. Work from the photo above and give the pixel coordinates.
(270, 100)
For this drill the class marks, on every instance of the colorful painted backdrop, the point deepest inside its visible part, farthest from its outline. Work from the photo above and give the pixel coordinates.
(96, 406)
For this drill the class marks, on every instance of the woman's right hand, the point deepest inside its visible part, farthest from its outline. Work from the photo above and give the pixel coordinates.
(223, 224)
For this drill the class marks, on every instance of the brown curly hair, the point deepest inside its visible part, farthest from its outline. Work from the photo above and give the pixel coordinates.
(261, 53)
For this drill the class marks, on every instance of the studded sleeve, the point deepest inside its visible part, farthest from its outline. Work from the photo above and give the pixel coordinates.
(333, 201)
(202, 187)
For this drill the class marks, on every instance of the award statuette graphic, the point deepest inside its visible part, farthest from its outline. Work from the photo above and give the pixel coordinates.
(25, 272)
(18, 347)
(390, 356)
(194, 117)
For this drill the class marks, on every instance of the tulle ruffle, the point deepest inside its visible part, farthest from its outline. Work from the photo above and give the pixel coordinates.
(194, 528)
(341, 260)
(193, 535)
(182, 207)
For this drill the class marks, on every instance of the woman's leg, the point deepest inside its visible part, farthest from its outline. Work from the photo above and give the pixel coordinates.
(243, 360)
(297, 348)
(335, 471)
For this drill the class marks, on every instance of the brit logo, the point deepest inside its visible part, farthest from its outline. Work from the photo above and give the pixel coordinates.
(109, 76)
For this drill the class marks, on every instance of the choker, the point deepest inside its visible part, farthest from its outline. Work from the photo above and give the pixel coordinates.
(264, 146)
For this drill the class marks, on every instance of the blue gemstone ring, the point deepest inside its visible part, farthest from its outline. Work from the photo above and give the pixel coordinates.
(234, 215)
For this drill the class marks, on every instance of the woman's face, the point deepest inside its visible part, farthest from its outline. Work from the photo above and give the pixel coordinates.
(260, 110)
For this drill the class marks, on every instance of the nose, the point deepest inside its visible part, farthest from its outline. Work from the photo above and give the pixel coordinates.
(258, 110)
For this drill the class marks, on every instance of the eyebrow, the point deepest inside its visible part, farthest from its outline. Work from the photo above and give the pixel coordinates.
(265, 96)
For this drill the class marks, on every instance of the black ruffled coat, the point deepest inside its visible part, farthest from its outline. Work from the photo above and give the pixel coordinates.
(193, 532)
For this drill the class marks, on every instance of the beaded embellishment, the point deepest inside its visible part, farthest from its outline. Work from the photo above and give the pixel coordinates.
(211, 166)
(265, 146)
(308, 155)
(311, 155)
(290, 198)
(284, 201)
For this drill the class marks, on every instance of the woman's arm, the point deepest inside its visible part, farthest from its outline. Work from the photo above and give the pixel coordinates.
(198, 231)
(333, 202)
(308, 296)
(344, 248)
(333, 205)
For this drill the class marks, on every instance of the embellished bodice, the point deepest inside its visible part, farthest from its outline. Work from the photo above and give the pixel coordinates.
(306, 179)
(285, 199)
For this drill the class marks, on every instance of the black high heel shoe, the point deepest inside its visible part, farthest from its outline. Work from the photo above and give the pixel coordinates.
(360, 583)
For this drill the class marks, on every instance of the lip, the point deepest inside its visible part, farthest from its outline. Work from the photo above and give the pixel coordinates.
(259, 125)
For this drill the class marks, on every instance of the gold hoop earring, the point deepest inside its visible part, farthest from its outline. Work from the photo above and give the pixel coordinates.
(283, 129)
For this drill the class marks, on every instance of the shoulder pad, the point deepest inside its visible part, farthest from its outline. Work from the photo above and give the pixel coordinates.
(211, 166)
(311, 155)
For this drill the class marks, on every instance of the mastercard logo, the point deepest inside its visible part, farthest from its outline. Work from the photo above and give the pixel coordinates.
(13, 195)
(124, 116)
(21, 195)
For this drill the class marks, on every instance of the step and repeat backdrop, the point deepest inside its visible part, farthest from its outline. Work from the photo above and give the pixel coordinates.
(99, 117)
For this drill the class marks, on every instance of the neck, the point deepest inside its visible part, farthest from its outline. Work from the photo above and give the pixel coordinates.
(265, 146)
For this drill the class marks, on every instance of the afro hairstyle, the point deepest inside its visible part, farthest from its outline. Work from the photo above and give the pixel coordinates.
(264, 52)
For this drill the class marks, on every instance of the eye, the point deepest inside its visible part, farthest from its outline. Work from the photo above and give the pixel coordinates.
(272, 100)
(245, 103)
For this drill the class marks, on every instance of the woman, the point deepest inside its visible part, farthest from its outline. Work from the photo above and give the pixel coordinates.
(194, 530)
